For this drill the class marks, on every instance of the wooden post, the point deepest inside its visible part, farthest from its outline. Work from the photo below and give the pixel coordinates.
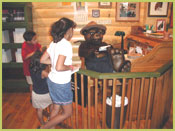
(82, 100)
(96, 101)
(140, 102)
(113, 104)
(104, 104)
(89, 103)
(132, 102)
(76, 99)
(149, 101)
(122, 103)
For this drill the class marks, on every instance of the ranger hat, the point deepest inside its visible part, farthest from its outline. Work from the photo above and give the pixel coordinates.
(92, 24)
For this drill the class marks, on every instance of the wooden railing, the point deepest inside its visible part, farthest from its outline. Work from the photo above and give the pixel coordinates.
(149, 96)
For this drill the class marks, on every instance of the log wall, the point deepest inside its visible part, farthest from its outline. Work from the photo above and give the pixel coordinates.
(45, 13)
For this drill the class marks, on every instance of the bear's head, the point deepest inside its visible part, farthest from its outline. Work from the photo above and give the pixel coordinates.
(93, 32)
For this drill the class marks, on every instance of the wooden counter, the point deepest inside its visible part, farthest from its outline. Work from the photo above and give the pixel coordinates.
(161, 52)
(146, 39)
(158, 57)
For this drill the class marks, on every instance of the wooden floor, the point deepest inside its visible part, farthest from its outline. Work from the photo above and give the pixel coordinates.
(18, 113)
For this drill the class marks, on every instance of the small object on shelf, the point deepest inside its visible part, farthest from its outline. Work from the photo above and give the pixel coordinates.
(18, 56)
(10, 17)
(6, 56)
(5, 36)
(4, 15)
(18, 35)
(19, 15)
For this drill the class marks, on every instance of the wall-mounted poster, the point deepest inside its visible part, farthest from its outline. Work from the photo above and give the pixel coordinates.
(80, 12)
(157, 9)
(127, 11)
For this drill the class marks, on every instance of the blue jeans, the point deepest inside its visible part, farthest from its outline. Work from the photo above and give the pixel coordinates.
(61, 94)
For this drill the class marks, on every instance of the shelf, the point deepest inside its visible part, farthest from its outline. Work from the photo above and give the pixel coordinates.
(12, 72)
(12, 65)
(16, 4)
(13, 85)
(11, 45)
(13, 25)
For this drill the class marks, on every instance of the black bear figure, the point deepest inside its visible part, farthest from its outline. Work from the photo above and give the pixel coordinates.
(103, 61)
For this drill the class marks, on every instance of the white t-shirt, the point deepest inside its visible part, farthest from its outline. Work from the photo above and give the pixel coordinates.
(63, 47)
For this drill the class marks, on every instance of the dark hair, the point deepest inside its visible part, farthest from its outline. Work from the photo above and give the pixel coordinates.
(28, 35)
(35, 65)
(60, 27)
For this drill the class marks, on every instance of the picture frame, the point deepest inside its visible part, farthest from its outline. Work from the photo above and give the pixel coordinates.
(127, 11)
(80, 7)
(105, 4)
(171, 17)
(160, 25)
(158, 9)
(95, 13)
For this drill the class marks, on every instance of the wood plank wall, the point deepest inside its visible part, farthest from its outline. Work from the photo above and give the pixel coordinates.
(46, 13)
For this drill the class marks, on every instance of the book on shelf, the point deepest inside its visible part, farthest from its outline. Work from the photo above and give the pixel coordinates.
(6, 56)
(18, 56)
(5, 36)
(19, 14)
(4, 15)
(18, 35)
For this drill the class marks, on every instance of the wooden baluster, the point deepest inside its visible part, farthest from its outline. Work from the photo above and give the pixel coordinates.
(104, 104)
(132, 101)
(113, 104)
(82, 100)
(96, 101)
(89, 103)
(140, 102)
(149, 101)
(129, 87)
(122, 103)
(76, 99)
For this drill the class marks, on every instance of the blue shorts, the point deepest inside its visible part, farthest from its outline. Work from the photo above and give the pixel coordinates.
(61, 94)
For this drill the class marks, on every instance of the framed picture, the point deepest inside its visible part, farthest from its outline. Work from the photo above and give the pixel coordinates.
(80, 7)
(171, 17)
(157, 9)
(104, 4)
(127, 11)
(95, 13)
(160, 25)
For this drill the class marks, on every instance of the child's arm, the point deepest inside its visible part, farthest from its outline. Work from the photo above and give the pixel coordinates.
(44, 74)
(29, 55)
(61, 67)
(45, 58)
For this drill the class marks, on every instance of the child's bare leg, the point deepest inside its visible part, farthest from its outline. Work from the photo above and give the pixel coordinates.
(51, 108)
(55, 119)
(31, 88)
(54, 112)
(40, 116)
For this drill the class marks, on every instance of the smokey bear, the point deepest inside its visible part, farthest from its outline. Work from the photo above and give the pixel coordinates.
(104, 61)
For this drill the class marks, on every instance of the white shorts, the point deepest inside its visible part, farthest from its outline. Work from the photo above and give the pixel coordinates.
(29, 80)
(41, 100)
